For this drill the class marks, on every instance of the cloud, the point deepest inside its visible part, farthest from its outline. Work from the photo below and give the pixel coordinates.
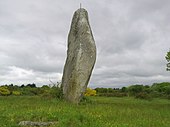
(25, 76)
(132, 38)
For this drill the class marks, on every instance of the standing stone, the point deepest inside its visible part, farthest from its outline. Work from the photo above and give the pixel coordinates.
(81, 57)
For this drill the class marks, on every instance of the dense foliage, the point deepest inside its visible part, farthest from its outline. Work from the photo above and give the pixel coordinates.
(90, 92)
(31, 90)
(4, 91)
(161, 90)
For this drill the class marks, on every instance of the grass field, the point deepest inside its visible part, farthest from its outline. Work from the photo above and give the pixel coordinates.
(98, 112)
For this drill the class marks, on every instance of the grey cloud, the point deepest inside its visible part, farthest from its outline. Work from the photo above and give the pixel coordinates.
(24, 76)
(132, 38)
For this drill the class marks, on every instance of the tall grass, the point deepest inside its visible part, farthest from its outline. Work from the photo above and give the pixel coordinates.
(96, 112)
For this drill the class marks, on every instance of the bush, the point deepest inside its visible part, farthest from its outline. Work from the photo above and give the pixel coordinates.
(28, 91)
(168, 97)
(135, 89)
(54, 92)
(16, 93)
(90, 92)
(143, 95)
(4, 91)
(161, 87)
(115, 94)
(106, 94)
(156, 94)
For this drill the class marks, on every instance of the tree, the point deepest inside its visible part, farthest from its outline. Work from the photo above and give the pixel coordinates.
(32, 85)
(168, 60)
(161, 87)
(135, 89)
(124, 89)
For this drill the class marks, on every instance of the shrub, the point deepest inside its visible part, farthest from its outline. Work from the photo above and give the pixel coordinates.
(168, 97)
(16, 93)
(101, 90)
(124, 89)
(54, 92)
(4, 91)
(161, 87)
(115, 94)
(135, 89)
(28, 91)
(143, 95)
(106, 94)
(57, 92)
(90, 92)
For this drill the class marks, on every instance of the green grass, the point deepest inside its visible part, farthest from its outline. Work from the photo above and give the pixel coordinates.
(98, 112)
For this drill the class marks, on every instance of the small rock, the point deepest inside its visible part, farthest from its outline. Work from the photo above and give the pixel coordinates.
(38, 124)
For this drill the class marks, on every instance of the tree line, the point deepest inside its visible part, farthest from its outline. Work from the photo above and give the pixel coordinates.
(161, 90)
(48, 91)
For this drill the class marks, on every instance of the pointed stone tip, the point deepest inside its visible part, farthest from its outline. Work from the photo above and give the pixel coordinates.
(81, 9)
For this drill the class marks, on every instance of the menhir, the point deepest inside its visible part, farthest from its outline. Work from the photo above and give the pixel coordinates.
(81, 57)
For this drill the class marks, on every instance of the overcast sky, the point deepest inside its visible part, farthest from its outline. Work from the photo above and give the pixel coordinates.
(132, 38)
